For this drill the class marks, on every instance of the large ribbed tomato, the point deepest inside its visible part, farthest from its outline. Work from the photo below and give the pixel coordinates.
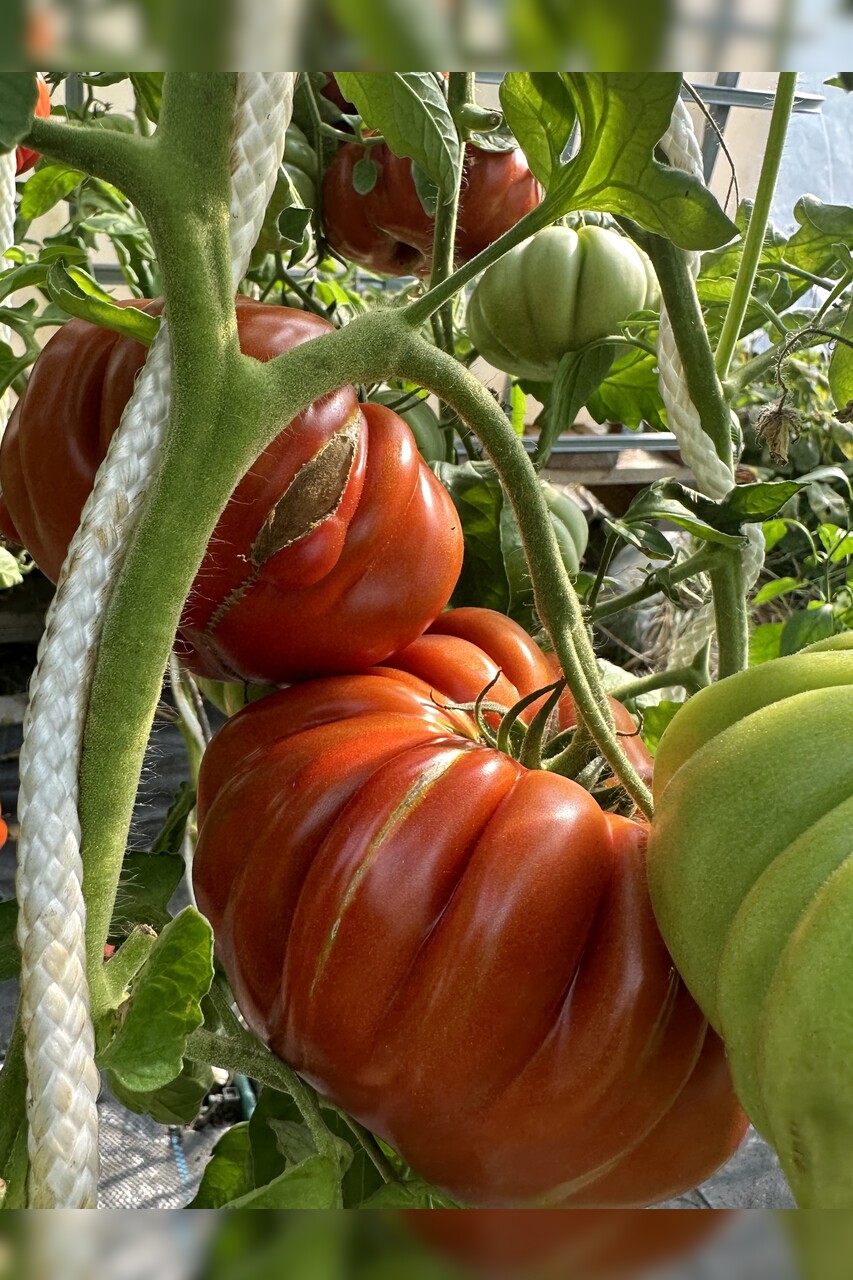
(25, 158)
(317, 564)
(458, 950)
(388, 231)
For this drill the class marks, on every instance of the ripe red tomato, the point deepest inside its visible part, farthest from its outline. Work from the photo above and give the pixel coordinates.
(457, 950)
(286, 590)
(24, 158)
(388, 231)
(4, 831)
(586, 1244)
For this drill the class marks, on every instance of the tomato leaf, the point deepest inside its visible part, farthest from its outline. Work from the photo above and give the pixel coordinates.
(623, 116)
(668, 500)
(773, 590)
(410, 111)
(630, 393)
(654, 720)
(750, 503)
(148, 86)
(313, 1184)
(764, 643)
(478, 498)
(147, 1048)
(540, 111)
(645, 537)
(579, 373)
(822, 227)
(774, 531)
(46, 187)
(805, 627)
(177, 1102)
(414, 1194)
(228, 1174)
(841, 367)
(18, 95)
(81, 296)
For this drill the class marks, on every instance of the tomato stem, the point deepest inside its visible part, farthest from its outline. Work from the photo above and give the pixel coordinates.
(753, 243)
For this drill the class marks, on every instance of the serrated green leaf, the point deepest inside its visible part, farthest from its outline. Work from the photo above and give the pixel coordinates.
(806, 627)
(776, 588)
(10, 570)
(314, 1184)
(171, 836)
(427, 191)
(540, 111)
(668, 500)
(414, 1194)
(26, 276)
(46, 187)
(841, 367)
(654, 720)
(764, 642)
(518, 408)
(228, 1174)
(81, 296)
(410, 111)
(175, 1103)
(18, 96)
(751, 503)
(148, 86)
(623, 116)
(578, 375)
(478, 498)
(822, 226)
(630, 393)
(645, 537)
(774, 531)
(148, 1046)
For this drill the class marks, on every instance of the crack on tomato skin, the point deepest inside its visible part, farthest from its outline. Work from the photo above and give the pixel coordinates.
(313, 495)
(411, 801)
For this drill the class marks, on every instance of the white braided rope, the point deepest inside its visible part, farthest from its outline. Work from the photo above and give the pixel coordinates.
(8, 165)
(713, 476)
(63, 1079)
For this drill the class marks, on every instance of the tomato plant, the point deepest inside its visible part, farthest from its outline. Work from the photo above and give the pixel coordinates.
(304, 537)
(505, 1066)
(424, 872)
(557, 292)
(387, 228)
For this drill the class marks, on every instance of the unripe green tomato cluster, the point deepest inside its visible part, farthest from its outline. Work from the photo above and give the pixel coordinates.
(557, 292)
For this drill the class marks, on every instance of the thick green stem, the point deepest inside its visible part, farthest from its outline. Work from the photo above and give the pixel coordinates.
(556, 601)
(119, 158)
(754, 241)
(729, 587)
(240, 1051)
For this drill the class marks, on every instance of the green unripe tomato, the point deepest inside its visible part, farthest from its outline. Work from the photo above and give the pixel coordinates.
(751, 873)
(299, 165)
(557, 292)
(422, 421)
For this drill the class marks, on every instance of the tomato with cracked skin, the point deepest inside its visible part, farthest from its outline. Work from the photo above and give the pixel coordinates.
(388, 231)
(316, 565)
(458, 950)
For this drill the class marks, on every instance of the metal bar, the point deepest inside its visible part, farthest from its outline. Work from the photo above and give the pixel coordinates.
(647, 441)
